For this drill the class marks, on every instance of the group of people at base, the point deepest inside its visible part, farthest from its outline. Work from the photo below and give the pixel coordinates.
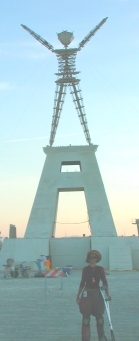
(89, 297)
(46, 260)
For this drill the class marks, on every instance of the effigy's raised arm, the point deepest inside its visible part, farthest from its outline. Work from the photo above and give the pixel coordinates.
(39, 38)
(91, 34)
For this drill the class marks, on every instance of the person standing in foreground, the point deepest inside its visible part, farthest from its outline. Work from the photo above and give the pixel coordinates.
(91, 301)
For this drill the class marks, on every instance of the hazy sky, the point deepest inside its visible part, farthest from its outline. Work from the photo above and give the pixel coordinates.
(109, 66)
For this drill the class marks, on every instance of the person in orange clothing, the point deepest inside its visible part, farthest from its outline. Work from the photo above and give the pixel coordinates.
(47, 263)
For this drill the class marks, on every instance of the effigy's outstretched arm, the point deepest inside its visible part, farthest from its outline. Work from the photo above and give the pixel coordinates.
(78, 101)
(91, 34)
(39, 38)
(58, 104)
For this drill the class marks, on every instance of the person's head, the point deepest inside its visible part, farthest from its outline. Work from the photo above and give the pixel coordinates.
(93, 257)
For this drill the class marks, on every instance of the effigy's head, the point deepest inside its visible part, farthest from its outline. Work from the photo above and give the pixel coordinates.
(65, 37)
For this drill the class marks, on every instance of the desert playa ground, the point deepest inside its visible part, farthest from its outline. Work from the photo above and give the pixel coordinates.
(27, 314)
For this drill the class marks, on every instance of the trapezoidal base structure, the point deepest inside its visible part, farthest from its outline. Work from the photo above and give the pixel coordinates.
(42, 218)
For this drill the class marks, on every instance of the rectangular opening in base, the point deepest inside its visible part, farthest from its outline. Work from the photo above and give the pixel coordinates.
(70, 166)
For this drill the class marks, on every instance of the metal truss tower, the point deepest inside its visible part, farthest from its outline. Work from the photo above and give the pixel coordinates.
(67, 76)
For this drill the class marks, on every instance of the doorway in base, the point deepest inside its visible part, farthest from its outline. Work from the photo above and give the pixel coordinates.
(72, 216)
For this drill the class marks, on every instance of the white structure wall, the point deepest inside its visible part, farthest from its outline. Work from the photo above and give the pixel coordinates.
(118, 253)
(41, 225)
(69, 251)
(135, 258)
(21, 249)
(52, 181)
